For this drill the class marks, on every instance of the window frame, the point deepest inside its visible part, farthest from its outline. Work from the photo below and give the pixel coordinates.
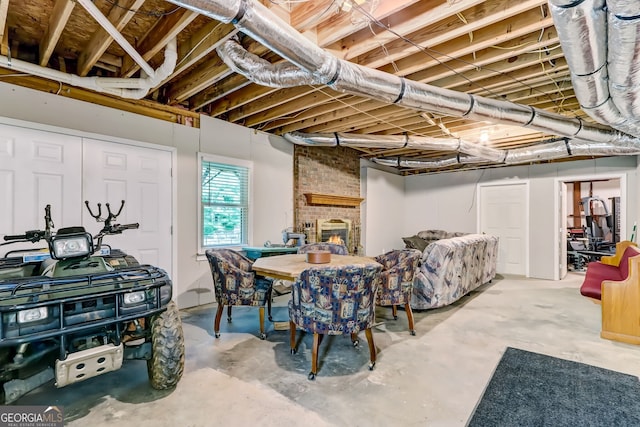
(231, 161)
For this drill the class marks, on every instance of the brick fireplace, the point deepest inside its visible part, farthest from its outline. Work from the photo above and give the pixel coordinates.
(327, 193)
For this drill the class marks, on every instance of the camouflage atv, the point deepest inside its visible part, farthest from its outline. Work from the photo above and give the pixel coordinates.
(79, 309)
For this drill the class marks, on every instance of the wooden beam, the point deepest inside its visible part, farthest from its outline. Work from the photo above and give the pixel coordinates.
(57, 21)
(343, 24)
(203, 76)
(213, 95)
(503, 71)
(201, 44)
(157, 37)
(531, 18)
(388, 114)
(277, 125)
(545, 91)
(143, 107)
(220, 91)
(328, 121)
(317, 97)
(411, 118)
(4, 31)
(520, 45)
(404, 22)
(110, 59)
(100, 40)
(518, 34)
(533, 76)
(308, 14)
(484, 58)
(476, 18)
(270, 101)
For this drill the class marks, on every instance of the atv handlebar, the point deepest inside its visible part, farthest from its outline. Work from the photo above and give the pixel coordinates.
(120, 227)
(115, 229)
(31, 235)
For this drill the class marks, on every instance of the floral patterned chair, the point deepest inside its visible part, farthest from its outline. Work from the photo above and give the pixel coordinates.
(235, 284)
(334, 301)
(334, 248)
(396, 281)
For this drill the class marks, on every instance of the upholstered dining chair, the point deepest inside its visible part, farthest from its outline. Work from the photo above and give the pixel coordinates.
(334, 248)
(334, 300)
(396, 281)
(235, 284)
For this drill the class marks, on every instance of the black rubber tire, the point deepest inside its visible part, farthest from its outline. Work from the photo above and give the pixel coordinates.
(166, 365)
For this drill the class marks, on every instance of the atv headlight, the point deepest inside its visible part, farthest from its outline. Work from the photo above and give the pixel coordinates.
(132, 298)
(71, 245)
(32, 315)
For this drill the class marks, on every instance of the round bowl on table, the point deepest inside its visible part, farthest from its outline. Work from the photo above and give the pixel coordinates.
(318, 257)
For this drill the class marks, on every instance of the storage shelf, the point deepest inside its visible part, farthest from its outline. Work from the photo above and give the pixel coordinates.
(332, 199)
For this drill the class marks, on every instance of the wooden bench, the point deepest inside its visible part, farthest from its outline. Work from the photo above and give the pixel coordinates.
(621, 306)
(613, 268)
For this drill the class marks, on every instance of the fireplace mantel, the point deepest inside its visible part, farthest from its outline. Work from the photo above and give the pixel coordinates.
(332, 199)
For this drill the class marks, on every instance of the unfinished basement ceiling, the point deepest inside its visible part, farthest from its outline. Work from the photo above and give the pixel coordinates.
(497, 49)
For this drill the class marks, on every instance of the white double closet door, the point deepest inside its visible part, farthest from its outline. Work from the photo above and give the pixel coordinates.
(40, 167)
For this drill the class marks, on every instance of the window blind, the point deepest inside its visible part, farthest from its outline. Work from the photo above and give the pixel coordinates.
(225, 204)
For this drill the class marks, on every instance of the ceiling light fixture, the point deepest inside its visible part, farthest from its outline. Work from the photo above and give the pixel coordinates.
(360, 11)
(348, 4)
(484, 136)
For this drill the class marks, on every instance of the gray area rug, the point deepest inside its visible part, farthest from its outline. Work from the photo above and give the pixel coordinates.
(531, 389)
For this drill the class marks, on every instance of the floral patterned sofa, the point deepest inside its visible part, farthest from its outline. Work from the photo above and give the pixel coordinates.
(452, 265)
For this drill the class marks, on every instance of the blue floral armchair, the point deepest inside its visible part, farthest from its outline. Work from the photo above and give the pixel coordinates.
(334, 301)
(235, 284)
(396, 281)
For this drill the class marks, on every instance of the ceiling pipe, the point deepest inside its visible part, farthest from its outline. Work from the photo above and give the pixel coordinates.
(600, 42)
(434, 164)
(134, 88)
(287, 74)
(397, 141)
(540, 152)
(280, 75)
(260, 23)
(316, 66)
(624, 52)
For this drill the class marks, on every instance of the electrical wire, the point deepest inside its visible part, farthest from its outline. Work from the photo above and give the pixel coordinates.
(366, 113)
(429, 51)
(288, 2)
(14, 75)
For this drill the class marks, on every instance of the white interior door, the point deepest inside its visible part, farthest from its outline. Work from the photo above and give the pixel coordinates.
(142, 178)
(38, 168)
(503, 212)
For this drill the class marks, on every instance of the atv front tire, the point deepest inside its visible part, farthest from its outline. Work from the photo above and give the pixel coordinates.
(167, 341)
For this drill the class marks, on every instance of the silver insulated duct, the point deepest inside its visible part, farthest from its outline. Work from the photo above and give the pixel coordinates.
(316, 66)
(600, 42)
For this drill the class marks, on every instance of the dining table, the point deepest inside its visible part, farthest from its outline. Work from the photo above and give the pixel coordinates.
(288, 268)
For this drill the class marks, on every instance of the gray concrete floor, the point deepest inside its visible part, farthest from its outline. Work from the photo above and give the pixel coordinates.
(435, 378)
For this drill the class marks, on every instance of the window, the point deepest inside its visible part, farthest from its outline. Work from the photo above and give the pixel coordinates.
(224, 201)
